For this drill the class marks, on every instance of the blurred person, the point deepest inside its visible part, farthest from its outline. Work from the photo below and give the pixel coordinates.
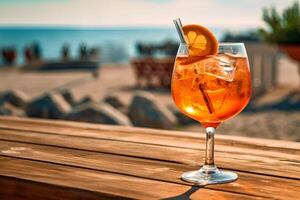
(83, 51)
(66, 52)
(9, 55)
(36, 49)
(28, 54)
(94, 53)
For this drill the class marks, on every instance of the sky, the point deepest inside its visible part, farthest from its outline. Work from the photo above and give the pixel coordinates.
(133, 13)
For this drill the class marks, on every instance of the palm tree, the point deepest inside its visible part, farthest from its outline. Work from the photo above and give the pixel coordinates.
(284, 30)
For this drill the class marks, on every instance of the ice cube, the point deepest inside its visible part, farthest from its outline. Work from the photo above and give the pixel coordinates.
(221, 66)
(190, 68)
(228, 49)
(184, 72)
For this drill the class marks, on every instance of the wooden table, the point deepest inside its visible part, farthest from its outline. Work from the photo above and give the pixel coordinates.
(43, 159)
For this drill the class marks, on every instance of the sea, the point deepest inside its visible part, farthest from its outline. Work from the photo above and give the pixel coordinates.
(117, 45)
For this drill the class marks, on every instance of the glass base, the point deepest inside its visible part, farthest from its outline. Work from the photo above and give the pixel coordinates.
(209, 174)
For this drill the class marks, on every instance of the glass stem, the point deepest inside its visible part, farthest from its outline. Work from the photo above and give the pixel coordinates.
(209, 152)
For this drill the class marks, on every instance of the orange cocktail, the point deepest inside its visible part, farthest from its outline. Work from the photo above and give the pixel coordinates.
(211, 89)
(210, 83)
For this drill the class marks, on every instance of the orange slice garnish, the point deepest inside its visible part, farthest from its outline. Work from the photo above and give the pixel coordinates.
(201, 41)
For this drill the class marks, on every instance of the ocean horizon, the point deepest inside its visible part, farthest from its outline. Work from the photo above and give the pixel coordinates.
(117, 44)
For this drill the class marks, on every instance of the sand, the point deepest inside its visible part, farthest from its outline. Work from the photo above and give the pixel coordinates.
(272, 125)
(120, 80)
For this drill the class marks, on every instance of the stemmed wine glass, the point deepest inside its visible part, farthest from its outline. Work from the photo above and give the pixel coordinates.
(211, 89)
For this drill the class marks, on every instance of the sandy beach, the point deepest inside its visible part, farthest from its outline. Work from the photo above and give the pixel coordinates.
(120, 80)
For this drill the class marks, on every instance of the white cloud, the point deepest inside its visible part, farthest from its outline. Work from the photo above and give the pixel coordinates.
(231, 13)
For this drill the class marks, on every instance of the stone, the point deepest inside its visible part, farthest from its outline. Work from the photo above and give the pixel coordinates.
(84, 100)
(116, 102)
(98, 113)
(14, 97)
(5, 111)
(181, 118)
(49, 105)
(11, 110)
(146, 111)
(68, 96)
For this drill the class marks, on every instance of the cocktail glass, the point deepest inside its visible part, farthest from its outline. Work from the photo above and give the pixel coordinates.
(211, 89)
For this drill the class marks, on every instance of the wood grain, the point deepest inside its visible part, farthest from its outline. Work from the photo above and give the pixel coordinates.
(177, 139)
(69, 160)
(248, 183)
(20, 189)
(98, 130)
(228, 160)
(109, 184)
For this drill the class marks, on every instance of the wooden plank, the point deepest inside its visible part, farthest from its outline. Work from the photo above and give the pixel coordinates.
(192, 157)
(130, 133)
(285, 166)
(179, 140)
(20, 189)
(183, 142)
(163, 140)
(250, 184)
(110, 184)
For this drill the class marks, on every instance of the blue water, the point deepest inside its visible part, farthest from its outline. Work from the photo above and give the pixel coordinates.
(116, 44)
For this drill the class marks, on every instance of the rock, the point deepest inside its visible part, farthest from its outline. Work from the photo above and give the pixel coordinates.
(147, 112)
(84, 100)
(181, 118)
(68, 96)
(98, 113)
(5, 111)
(51, 105)
(14, 97)
(9, 109)
(116, 102)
